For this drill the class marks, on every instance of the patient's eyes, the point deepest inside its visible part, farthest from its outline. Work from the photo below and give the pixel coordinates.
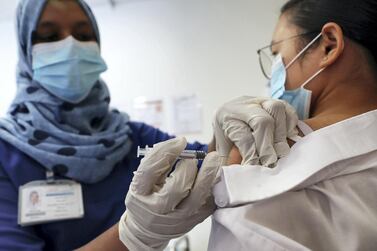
(274, 50)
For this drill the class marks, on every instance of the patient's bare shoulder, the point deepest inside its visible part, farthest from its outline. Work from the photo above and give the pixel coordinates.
(235, 157)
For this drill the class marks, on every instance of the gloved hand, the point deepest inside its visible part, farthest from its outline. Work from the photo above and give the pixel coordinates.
(160, 208)
(259, 127)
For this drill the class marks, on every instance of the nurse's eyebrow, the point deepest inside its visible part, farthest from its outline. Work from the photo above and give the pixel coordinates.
(83, 24)
(47, 24)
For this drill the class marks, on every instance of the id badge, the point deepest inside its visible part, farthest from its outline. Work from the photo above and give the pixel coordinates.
(42, 202)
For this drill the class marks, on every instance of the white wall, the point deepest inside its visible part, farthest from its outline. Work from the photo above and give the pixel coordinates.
(166, 47)
(8, 61)
(159, 48)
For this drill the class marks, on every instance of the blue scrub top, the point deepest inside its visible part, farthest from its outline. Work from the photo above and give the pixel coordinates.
(103, 201)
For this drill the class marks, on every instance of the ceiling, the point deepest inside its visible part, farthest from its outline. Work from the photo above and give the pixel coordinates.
(8, 7)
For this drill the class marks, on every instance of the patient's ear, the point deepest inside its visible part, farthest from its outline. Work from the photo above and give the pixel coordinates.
(235, 157)
(332, 44)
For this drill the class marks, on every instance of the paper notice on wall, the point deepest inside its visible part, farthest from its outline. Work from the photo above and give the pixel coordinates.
(187, 115)
(149, 111)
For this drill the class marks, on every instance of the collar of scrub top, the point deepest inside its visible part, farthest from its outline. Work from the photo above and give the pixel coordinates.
(303, 167)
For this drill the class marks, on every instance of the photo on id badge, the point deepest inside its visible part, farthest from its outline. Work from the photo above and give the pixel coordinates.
(34, 200)
(34, 203)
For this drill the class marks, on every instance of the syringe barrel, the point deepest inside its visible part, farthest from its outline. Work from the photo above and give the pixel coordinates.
(186, 154)
(192, 154)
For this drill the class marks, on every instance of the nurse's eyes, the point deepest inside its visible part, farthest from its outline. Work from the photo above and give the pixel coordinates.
(84, 37)
(53, 31)
(54, 37)
(45, 38)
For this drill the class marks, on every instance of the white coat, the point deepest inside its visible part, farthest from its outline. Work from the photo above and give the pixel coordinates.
(322, 196)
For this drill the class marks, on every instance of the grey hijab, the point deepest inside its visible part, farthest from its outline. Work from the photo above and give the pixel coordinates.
(81, 141)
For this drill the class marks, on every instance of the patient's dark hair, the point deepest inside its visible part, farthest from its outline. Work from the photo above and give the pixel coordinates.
(357, 18)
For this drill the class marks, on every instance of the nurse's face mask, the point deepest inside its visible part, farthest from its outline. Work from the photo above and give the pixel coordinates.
(299, 98)
(69, 68)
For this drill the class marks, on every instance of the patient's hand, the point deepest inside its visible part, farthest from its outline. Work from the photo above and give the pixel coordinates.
(235, 157)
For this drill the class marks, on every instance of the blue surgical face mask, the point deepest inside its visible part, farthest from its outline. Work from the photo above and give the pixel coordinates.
(68, 69)
(299, 98)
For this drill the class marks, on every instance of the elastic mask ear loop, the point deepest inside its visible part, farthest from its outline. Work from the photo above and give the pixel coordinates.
(312, 77)
(318, 72)
(302, 52)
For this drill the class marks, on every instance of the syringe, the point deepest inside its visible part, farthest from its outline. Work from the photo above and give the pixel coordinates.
(186, 154)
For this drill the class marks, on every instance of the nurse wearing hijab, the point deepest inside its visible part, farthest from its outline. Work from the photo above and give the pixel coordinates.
(60, 123)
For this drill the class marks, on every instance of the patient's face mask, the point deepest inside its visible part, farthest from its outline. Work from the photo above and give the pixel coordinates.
(299, 98)
(68, 69)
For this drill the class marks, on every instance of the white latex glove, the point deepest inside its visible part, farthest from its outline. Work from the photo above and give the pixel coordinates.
(259, 127)
(160, 208)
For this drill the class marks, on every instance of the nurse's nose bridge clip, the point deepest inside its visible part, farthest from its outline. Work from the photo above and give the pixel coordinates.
(186, 154)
